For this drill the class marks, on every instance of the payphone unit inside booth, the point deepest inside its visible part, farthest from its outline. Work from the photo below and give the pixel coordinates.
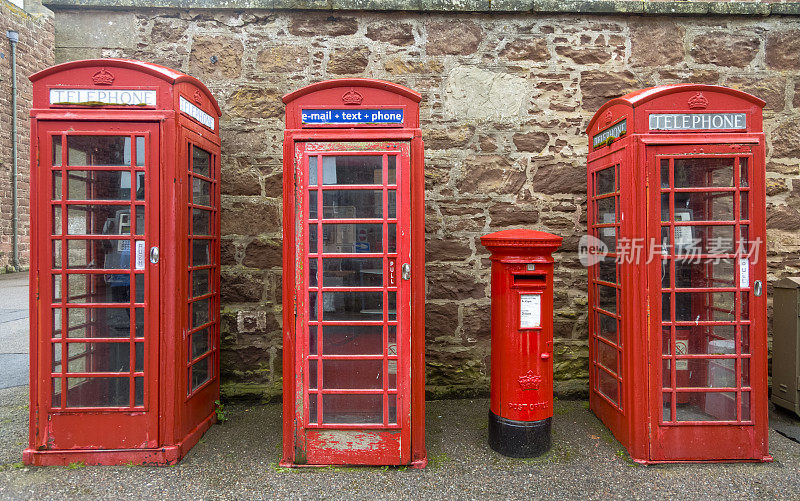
(354, 275)
(125, 229)
(676, 180)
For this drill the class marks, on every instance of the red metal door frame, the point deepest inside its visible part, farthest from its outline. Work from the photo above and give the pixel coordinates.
(739, 438)
(65, 428)
(293, 453)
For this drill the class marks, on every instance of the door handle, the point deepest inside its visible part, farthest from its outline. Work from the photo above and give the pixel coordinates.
(757, 288)
(405, 271)
(154, 254)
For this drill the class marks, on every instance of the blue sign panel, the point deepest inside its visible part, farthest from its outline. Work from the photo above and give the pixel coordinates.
(353, 117)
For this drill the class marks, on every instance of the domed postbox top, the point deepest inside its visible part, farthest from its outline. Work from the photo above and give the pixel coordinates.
(518, 240)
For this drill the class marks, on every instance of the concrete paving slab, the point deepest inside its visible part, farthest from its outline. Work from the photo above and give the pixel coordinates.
(13, 369)
(238, 460)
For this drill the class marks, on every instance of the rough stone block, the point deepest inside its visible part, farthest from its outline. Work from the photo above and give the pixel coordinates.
(476, 94)
(282, 59)
(724, 49)
(491, 174)
(97, 29)
(454, 284)
(783, 50)
(532, 142)
(263, 253)
(507, 214)
(348, 61)
(319, 25)
(250, 216)
(400, 34)
(240, 285)
(598, 86)
(669, 48)
(526, 49)
(449, 248)
(254, 102)
(556, 177)
(215, 57)
(455, 37)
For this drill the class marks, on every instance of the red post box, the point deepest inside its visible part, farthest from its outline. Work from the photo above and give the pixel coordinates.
(677, 267)
(521, 406)
(353, 275)
(124, 277)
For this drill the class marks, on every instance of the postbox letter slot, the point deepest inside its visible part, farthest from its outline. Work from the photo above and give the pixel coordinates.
(530, 279)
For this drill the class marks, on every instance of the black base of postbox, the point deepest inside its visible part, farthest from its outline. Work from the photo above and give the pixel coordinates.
(519, 439)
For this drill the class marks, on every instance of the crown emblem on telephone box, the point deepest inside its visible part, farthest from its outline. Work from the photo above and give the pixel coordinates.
(530, 381)
(103, 77)
(698, 102)
(352, 97)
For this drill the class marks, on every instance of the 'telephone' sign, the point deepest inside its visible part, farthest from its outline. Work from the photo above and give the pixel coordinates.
(698, 121)
(114, 97)
(352, 117)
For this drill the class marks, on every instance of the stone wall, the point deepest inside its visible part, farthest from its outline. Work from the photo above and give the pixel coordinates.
(34, 53)
(506, 100)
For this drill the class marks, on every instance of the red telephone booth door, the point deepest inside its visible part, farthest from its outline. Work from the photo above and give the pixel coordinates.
(354, 302)
(707, 211)
(98, 306)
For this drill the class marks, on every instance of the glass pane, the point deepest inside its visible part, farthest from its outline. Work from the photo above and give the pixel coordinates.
(98, 357)
(343, 204)
(667, 403)
(706, 406)
(665, 206)
(745, 406)
(98, 288)
(666, 373)
(312, 408)
(391, 350)
(312, 171)
(392, 307)
(55, 396)
(706, 339)
(312, 339)
(312, 238)
(141, 152)
(98, 392)
(201, 252)
(312, 272)
(199, 373)
(138, 391)
(744, 305)
(199, 344)
(361, 409)
(99, 254)
(703, 172)
(744, 211)
(98, 322)
(352, 169)
(201, 192)
(744, 339)
(56, 288)
(392, 202)
(56, 357)
(666, 307)
(352, 340)
(352, 272)
(745, 372)
(98, 185)
(56, 193)
(56, 153)
(200, 313)
(605, 181)
(392, 169)
(139, 185)
(392, 409)
(666, 274)
(56, 253)
(140, 220)
(607, 356)
(607, 327)
(201, 161)
(706, 373)
(704, 273)
(607, 298)
(346, 237)
(703, 239)
(666, 340)
(313, 377)
(312, 305)
(139, 322)
(56, 322)
(201, 282)
(703, 206)
(392, 238)
(352, 305)
(607, 270)
(99, 150)
(312, 204)
(56, 220)
(607, 384)
(201, 222)
(665, 173)
(139, 288)
(701, 306)
(605, 210)
(744, 178)
(139, 357)
(98, 220)
(609, 237)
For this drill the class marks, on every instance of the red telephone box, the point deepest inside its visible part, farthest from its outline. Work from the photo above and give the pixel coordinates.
(677, 310)
(353, 275)
(124, 276)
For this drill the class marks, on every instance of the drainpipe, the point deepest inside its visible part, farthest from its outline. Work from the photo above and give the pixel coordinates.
(13, 37)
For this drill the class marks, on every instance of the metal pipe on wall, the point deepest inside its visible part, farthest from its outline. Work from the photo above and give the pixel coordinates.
(13, 37)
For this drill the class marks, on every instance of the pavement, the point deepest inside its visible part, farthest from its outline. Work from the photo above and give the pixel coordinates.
(239, 459)
(13, 330)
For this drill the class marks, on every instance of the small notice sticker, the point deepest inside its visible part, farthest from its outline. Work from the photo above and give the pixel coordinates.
(530, 311)
(140, 254)
(744, 273)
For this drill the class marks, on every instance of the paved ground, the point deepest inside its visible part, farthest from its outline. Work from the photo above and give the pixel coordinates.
(13, 329)
(238, 460)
